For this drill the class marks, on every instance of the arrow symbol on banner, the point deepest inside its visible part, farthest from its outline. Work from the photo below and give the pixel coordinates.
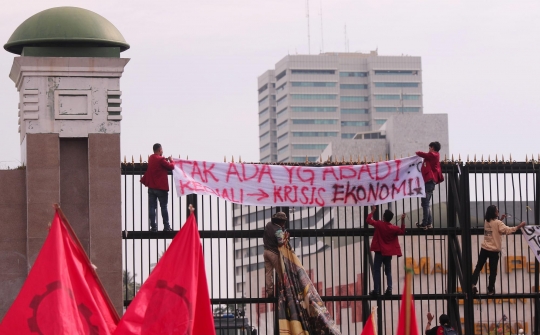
(262, 195)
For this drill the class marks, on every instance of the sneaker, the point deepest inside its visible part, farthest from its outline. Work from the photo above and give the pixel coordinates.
(421, 226)
(153, 229)
(491, 291)
(167, 228)
(388, 292)
(474, 290)
(374, 293)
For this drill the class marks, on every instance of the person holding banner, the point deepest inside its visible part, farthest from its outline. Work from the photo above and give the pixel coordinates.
(155, 179)
(274, 237)
(491, 247)
(385, 244)
(432, 174)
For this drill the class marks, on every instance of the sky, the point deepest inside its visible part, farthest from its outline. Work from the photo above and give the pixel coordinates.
(191, 83)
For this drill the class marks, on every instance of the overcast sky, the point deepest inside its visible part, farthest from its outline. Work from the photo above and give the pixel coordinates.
(191, 83)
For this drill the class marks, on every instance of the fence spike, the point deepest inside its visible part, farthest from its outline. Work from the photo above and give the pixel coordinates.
(526, 159)
(187, 158)
(502, 158)
(510, 158)
(342, 159)
(224, 159)
(496, 158)
(239, 159)
(178, 156)
(386, 156)
(445, 158)
(306, 159)
(372, 159)
(459, 157)
(365, 159)
(232, 159)
(320, 158)
(489, 159)
(467, 158)
(132, 160)
(452, 158)
(475, 158)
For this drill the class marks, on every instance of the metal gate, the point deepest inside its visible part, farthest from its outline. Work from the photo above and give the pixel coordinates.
(333, 245)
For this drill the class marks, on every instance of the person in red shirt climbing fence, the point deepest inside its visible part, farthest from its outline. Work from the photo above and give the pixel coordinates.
(156, 180)
(385, 244)
(432, 174)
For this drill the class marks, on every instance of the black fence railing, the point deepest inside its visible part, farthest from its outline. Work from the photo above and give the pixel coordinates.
(333, 245)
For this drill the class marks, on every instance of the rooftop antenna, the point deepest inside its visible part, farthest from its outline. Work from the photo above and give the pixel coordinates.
(322, 36)
(346, 40)
(308, 30)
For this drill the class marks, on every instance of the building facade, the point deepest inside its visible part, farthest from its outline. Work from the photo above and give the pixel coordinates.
(308, 101)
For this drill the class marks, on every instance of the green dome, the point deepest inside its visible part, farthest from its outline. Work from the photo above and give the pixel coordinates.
(65, 27)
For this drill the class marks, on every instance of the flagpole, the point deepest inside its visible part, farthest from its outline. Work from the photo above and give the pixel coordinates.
(408, 289)
(76, 240)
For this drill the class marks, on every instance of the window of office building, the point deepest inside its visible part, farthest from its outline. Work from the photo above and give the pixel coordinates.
(263, 88)
(265, 147)
(353, 74)
(263, 112)
(314, 121)
(387, 96)
(347, 135)
(396, 72)
(281, 88)
(281, 112)
(313, 71)
(314, 109)
(265, 159)
(263, 100)
(283, 137)
(380, 121)
(282, 100)
(262, 125)
(282, 125)
(312, 84)
(353, 98)
(314, 96)
(396, 84)
(354, 123)
(353, 86)
(264, 136)
(354, 111)
(282, 150)
(373, 136)
(411, 97)
(309, 146)
(315, 134)
(281, 75)
(299, 159)
(397, 109)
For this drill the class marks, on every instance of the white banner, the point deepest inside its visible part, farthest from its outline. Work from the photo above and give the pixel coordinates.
(532, 235)
(281, 185)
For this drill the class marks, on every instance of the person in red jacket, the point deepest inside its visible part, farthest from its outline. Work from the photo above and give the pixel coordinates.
(156, 180)
(385, 244)
(432, 174)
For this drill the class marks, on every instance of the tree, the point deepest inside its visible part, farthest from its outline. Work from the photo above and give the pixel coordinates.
(132, 286)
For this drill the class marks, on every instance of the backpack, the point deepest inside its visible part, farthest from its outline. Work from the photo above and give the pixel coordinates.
(449, 330)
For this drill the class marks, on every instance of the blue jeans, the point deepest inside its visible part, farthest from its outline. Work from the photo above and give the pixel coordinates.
(153, 196)
(377, 262)
(427, 219)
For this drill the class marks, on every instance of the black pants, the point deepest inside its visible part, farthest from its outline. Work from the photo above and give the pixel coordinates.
(493, 257)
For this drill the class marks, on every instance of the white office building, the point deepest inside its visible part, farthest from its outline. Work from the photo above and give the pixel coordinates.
(307, 101)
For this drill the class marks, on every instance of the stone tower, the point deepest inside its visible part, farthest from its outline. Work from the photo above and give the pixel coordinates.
(68, 78)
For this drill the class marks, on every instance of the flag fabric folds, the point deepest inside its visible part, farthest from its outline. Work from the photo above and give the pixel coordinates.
(300, 308)
(62, 293)
(407, 316)
(370, 327)
(174, 299)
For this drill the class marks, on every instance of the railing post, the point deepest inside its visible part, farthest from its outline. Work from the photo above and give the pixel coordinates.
(466, 241)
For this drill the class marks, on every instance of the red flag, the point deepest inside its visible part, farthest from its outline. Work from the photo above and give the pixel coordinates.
(174, 299)
(62, 293)
(407, 316)
(370, 327)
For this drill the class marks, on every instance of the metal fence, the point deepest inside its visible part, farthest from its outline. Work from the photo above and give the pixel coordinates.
(333, 245)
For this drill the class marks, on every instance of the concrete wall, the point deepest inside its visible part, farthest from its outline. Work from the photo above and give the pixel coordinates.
(13, 260)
